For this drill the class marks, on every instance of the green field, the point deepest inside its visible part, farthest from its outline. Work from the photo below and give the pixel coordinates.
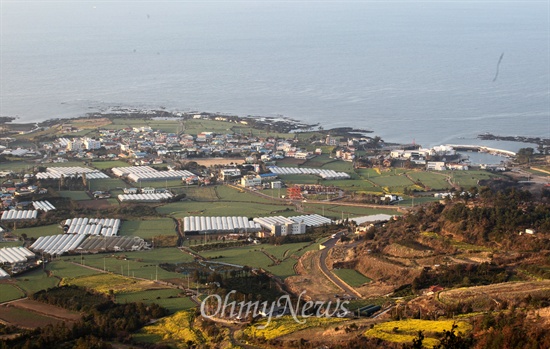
(417, 200)
(392, 181)
(225, 208)
(107, 282)
(36, 280)
(106, 184)
(360, 185)
(432, 180)
(35, 232)
(15, 166)
(351, 277)
(254, 257)
(161, 184)
(168, 298)
(142, 264)
(201, 193)
(192, 126)
(74, 195)
(10, 244)
(148, 228)
(339, 211)
(230, 194)
(9, 293)
(64, 269)
(102, 165)
(291, 179)
(468, 179)
(67, 164)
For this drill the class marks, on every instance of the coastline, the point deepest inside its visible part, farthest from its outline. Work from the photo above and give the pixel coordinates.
(278, 123)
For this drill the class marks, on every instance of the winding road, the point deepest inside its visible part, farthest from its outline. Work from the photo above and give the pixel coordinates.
(330, 243)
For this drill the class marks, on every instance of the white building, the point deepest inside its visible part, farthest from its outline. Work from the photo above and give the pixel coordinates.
(276, 185)
(436, 166)
(250, 181)
(91, 144)
(281, 226)
(74, 145)
(230, 173)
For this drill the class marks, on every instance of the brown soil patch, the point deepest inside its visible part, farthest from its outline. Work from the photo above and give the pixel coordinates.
(401, 251)
(20, 317)
(483, 297)
(311, 279)
(47, 309)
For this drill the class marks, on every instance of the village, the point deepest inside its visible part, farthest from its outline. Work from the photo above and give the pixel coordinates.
(158, 200)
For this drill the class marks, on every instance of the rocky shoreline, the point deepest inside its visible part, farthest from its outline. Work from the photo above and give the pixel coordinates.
(544, 142)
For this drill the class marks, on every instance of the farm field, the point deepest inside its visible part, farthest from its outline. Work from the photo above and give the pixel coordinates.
(106, 184)
(26, 318)
(10, 243)
(65, 269)
(254, 257)
(291, 179)
(168, 298)
(160, 184)
(406, 330)
(250, 209)
(176, 330)
(102, 165)
(240, 129)
(360, 185)
(105, 282)
(47, 309)
(432, 180)
(226, 193)
(483, 297)
(392, 181)
(15, 166)
(74, 195)
(468, 179)
(195, 193)
(148, 228)
(35, 232)
(143, 264)
(9, 292)
(36, 280)
(337, 211)
(351, 277)
(417, 200)
(286, 325)
(66, 164)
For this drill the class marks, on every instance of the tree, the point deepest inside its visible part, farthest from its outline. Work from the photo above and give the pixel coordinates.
(451, 340)
(524, 155)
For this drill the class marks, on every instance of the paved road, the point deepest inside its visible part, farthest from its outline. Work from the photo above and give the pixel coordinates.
(328, 273)
(534, 178)
(328, 203)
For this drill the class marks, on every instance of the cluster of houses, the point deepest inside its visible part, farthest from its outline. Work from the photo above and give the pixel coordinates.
(10, 191)
(438, 158)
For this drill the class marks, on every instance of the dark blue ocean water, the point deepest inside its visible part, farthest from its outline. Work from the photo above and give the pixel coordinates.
(408, 70)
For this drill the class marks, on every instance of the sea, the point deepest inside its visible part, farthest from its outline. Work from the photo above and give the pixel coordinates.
(428, 72)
